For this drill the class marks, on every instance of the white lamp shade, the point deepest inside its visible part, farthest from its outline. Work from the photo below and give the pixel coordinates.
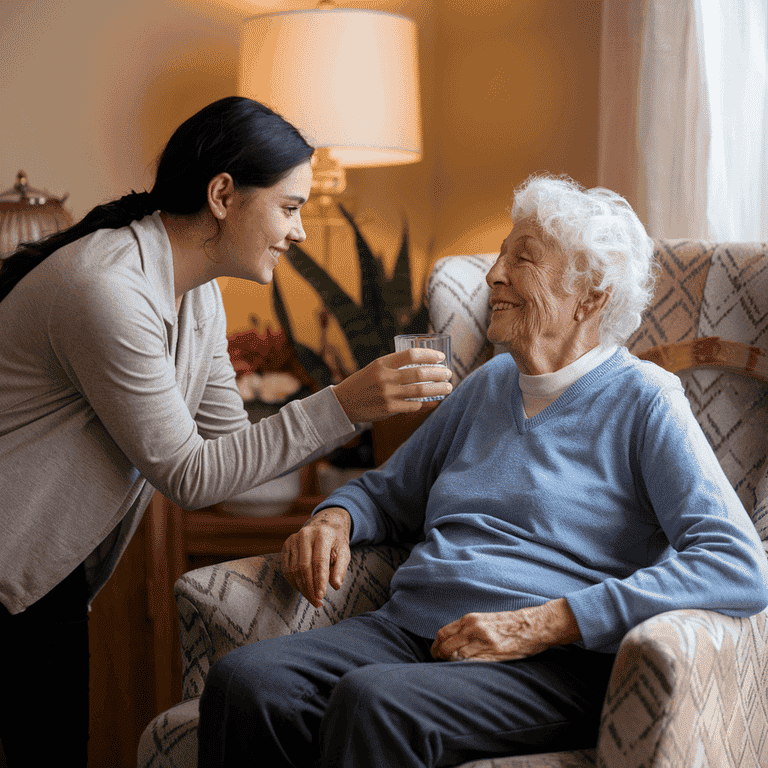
(346, 78)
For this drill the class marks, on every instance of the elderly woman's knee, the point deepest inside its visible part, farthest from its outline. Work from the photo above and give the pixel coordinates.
(372, 688)
(247, 675)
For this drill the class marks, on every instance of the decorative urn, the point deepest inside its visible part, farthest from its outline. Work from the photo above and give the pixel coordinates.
(28, 214)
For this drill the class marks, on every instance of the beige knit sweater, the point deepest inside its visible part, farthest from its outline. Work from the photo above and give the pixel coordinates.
(105, 395)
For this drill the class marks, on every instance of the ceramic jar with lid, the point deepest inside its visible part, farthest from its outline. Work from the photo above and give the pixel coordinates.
(28, 214)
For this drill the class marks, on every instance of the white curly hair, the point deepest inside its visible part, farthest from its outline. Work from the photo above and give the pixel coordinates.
(606, 245)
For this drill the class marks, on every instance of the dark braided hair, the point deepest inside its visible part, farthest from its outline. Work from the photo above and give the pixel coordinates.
(234, 135)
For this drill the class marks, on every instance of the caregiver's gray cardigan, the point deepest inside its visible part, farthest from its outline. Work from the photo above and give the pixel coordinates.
(106, 395)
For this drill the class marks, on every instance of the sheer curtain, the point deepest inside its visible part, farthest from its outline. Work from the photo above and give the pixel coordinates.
(684, 114)
(734, 35)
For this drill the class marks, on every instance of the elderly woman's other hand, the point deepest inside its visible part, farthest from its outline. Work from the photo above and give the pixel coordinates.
(318, 554)
(507, 635)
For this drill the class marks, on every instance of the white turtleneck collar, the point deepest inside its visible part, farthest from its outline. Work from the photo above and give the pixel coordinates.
(539, 391)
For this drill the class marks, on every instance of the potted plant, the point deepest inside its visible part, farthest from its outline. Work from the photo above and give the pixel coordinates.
(386, 309)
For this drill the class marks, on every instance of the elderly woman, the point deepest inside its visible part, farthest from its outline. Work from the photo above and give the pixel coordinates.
(560, 496)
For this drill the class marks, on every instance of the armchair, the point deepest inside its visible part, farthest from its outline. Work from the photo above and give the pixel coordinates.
(689, 687)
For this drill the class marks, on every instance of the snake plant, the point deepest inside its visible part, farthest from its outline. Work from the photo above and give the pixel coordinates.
(386, 307)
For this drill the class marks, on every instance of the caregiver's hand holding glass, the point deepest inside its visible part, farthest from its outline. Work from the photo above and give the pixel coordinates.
(440, 342)
(413, 378)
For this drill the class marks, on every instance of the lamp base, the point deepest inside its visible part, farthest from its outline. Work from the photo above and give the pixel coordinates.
(328, 177)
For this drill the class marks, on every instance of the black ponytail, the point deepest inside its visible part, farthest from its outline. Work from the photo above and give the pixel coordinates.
(235, 135)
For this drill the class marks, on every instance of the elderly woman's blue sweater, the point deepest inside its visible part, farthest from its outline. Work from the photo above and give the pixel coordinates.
(611, 497)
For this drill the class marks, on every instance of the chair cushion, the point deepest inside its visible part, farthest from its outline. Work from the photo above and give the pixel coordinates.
(170, 741)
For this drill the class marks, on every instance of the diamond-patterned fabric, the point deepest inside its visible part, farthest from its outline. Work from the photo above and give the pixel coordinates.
(457, 298)
(673, 314)
(228, 605)
(719, 290)
(733, 409)
(689, 688)
(216, 612)
(170, 740)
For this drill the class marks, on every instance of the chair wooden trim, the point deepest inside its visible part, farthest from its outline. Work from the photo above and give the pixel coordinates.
(709, 352)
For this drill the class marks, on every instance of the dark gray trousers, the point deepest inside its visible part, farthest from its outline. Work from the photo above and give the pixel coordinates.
(368, 693)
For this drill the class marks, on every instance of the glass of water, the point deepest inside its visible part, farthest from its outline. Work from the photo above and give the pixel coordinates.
(438, 341)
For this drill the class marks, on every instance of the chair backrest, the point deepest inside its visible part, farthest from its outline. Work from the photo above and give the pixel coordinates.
(457, 299)
(718, 292)
(714, 293)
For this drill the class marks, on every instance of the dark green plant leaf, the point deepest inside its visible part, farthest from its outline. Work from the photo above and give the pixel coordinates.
(371, 271)
(333, 295)
(387, 305)
(357, 323)
(282, 312)
(419, 322)
(312, 363)
(373, 280)
(397, 292)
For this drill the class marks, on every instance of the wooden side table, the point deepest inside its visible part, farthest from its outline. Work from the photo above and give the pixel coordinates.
(179, 540)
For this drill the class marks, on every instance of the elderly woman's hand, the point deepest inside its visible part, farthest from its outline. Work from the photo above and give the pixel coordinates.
(507, 635)
(318, 554)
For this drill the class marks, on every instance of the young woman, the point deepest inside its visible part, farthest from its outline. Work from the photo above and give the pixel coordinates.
(115, 380)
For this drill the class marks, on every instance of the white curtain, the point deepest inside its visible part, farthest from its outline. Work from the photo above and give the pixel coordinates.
(619, 165)
(734, 38)
(673, 121)
(684, 115)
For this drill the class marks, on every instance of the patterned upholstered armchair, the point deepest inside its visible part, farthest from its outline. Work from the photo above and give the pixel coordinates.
(689, 687)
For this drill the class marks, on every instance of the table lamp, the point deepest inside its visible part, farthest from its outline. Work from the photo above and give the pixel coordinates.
(346, 78)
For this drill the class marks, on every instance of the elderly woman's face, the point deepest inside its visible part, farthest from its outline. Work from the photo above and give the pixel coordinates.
(528, 301)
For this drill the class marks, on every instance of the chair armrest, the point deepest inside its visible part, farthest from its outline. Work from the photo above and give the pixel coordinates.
(688, 688)
(224, 606)
(170, 740)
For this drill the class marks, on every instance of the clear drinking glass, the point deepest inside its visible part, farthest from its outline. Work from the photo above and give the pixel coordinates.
(438, 341)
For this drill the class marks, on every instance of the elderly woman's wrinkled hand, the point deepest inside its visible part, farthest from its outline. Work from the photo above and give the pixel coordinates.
(506, 635)
(318, 554)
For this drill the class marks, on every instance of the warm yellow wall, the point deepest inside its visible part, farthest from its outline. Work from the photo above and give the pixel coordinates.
(517, 94)
(92, 89)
